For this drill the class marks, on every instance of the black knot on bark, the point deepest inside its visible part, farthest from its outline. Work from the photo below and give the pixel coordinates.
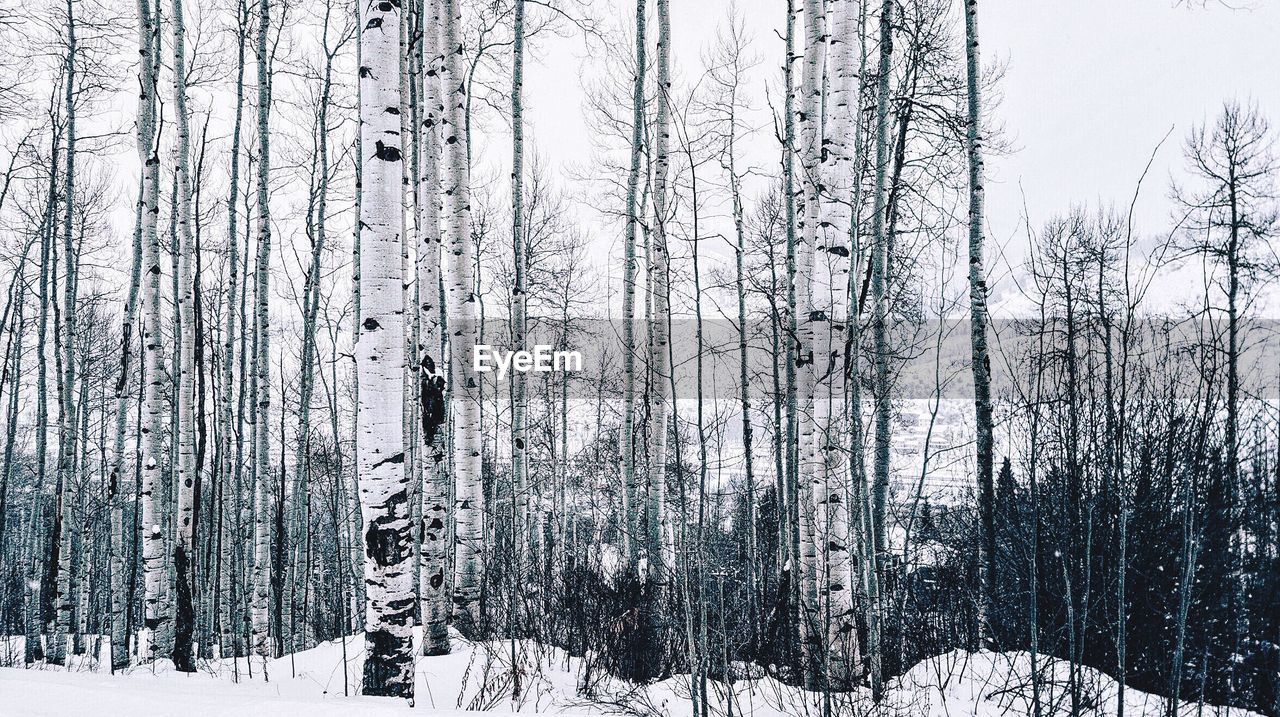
(393, 460)
(385, 544)
(385, 153)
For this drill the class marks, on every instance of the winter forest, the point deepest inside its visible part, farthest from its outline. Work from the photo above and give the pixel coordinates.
(639, 357)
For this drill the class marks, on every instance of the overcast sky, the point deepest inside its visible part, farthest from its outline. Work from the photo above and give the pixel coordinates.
(1091, 87)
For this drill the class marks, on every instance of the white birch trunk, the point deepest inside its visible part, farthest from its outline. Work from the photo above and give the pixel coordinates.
(410, 173)
(790, 530)
(384, 485)
(154, 455)
(231, 463)
(811, 322)
(461, 310)
(630, 496)
(839, 202)
(659, 545)
(432, 579)
(15, 390)
(878, 495)
(311, 300)
(978, 326)
(70, 428)
(523, 559)
(262, 358)
(184, 545)
(119, 591)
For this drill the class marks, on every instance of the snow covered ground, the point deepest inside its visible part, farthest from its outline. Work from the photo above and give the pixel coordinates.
(479, 677)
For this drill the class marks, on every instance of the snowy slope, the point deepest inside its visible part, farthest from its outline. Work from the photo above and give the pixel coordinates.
(478, 677)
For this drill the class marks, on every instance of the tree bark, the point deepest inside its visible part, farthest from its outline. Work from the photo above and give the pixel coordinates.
(630, 495)
(154, 455)
(523, 559)
(70, 425)
(461, 310)
(978, 327)
(261, 445)
(658, 543)
(231, 458)
(836, 252)
(184, 545)
(811, 321)
(384, 485)
(115, 498)
(432, 578)
(877, 537)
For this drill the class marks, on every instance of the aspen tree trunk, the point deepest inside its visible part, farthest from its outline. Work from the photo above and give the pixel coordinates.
(838, 175)
(204, 511)
(70, 424)
(791, 523)
(311, 301)
(384, 486)
(658, 545)
(184, 545)
(435, 490)
(154, 455)
(858, 512)
(164, 636)
(33, 649)
(519, 302)
(119, 592)
(657, 563)
(262, 355)
(978, 329)
(44, 497)
(354, 545)
(811, 320)
(84, 574)
(699, 544)
(778, 356)
(461, 310)
(876, 540)
(14, 331)
(11, 430)
(246, 410)
(230, 528)
(630, 493)
(740, 283)
(13, 364)
(409, 176)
